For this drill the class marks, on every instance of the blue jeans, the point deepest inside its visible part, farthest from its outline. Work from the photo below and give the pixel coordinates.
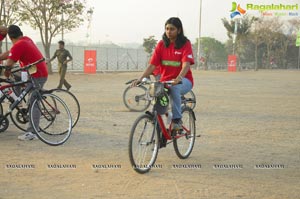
(36, 112)
(175, 96)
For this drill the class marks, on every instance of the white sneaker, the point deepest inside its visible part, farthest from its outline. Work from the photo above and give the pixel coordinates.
(27, 136)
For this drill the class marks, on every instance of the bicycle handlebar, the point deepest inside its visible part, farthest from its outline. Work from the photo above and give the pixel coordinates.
(9, 81)
(130, 81)
(163, 82)
(148, 81)
(28, 66)
(21, 68)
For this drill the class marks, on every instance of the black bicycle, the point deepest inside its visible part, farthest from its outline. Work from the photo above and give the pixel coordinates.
(19, 116)
(48, 115)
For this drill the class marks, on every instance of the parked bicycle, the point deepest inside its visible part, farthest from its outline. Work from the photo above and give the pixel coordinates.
(55, 120)
(153, 130)
(138, 98)
(19, 116)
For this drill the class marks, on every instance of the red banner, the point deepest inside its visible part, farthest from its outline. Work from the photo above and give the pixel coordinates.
(90, 61)
(232, 63)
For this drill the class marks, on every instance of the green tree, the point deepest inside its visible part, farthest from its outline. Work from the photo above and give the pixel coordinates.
(149, 44)
(212, 50)
(52, 17)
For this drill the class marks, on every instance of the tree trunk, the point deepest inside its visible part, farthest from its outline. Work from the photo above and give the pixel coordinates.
(47, 54)
(268, 56)
(238, 63)
(256, 68)
(205, 64)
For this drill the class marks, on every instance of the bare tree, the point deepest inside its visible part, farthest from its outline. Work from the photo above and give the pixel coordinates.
(270, 29)
(52, 17)
(294, 27)
(256, 36)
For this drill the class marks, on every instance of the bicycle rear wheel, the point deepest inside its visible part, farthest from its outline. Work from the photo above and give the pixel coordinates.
(55, 121)
(143, 144)
(71, 101)
(184, 142)
(135, 98)
(19, 116)
(190, 99)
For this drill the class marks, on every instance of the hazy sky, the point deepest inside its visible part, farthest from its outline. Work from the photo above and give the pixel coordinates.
(126, 21)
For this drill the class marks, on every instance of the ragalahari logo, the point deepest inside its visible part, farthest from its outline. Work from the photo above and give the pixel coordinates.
(236, 10)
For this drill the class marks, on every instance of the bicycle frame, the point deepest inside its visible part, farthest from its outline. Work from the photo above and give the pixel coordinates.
(167, 132)
(32, 86)
(14, 103)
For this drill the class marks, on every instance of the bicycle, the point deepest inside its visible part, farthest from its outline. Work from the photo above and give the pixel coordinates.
(137, 98)
(55, 121)
(19, 116)
(149, 132)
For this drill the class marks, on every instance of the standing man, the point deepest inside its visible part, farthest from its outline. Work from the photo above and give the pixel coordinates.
(63, 57)
(25, 52)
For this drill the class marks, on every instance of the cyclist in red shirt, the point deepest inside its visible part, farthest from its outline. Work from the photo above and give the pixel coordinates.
(26, 52)
(174, 55)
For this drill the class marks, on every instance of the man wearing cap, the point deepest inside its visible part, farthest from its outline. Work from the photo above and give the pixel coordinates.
(63, 57)
(25, 52)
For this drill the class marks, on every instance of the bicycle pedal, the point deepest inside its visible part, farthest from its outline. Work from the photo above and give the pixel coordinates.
(173, 133)
(177, 132)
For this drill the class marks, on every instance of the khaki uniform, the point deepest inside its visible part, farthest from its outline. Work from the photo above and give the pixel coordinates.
(62, 55)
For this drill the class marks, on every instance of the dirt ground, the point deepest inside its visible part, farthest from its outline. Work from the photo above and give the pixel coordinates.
(246, 119)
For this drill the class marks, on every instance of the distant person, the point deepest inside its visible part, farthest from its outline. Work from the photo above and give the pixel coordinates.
(63, 57)
(26, 52)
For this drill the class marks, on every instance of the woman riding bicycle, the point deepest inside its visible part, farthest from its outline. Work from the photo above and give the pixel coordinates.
(173, 54)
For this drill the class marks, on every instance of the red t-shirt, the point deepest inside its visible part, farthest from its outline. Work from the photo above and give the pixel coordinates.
(26, 52)
(156, 71)
(170, 60)
(1, 37)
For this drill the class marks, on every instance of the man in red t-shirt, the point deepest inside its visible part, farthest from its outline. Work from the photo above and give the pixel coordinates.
(173, 56)
(25, 52)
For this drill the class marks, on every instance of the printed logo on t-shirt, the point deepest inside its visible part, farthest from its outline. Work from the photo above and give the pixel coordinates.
(190, 56)
(178, 53)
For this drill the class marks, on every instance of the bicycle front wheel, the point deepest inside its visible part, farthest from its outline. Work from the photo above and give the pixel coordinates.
(51, 119)
(71, 101)
(184, 143)
(135, 98)
(143, 144)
